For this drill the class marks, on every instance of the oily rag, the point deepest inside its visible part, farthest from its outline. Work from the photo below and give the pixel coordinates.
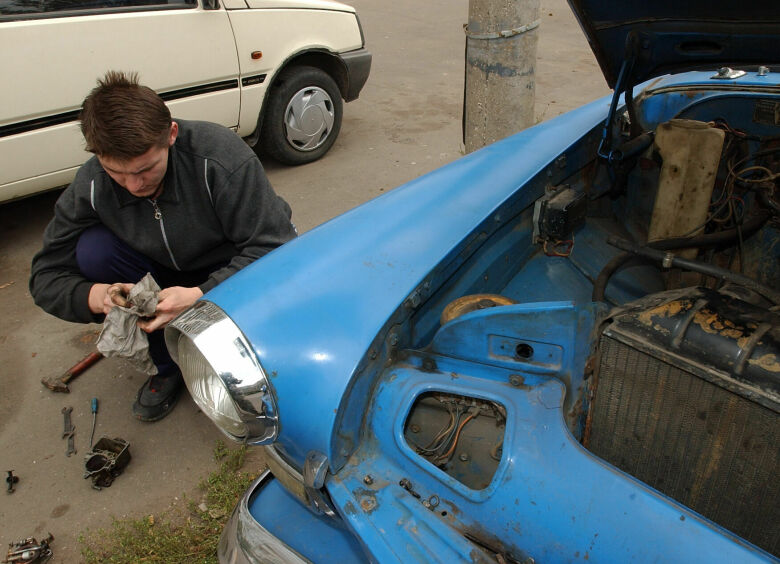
(121, 335)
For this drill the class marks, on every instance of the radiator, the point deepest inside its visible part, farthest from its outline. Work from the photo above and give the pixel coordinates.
(693, 431)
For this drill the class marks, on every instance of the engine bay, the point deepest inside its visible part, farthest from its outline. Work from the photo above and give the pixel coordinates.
(675, 239)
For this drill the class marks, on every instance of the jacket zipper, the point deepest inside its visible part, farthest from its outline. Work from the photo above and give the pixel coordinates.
(158, 216)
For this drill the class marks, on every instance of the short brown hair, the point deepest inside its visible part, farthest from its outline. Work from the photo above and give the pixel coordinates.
(123, 119)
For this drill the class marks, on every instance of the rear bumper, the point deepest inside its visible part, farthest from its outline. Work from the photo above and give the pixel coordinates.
(358, 65)
(245, 541)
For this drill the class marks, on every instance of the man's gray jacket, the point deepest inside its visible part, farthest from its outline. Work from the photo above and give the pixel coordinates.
(216, 207)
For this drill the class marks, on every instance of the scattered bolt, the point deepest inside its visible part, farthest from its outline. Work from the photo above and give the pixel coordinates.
(464, 457)
(11, 480)
(368, 504)
(429, 364)
(516, 380)
(414, 428)
(368, 479)
(393, 339)
(407, 485)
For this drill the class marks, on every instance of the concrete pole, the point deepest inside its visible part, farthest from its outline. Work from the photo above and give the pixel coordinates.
(501, 39)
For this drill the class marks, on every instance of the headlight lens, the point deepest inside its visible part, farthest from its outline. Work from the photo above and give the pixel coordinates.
(207, 389)
(223, 374)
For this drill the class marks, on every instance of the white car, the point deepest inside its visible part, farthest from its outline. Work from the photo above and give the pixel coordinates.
(275, 71)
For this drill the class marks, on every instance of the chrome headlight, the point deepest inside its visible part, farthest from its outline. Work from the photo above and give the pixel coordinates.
(223, 374)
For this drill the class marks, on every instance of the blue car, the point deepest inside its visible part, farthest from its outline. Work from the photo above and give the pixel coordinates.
(564, 347)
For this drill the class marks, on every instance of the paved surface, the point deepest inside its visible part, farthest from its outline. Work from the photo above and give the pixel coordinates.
(406, 123)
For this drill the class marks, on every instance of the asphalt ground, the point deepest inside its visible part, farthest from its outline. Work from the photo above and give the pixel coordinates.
(407, 122)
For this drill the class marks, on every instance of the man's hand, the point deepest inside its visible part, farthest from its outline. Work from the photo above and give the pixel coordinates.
(103, 297)
(171, 302)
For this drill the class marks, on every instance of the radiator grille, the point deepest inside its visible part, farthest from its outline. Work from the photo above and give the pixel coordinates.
(708, 448)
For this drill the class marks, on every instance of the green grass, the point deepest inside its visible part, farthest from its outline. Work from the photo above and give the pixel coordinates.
(178, 535)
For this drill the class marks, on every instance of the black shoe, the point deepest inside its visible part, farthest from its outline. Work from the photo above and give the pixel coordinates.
(158, 396)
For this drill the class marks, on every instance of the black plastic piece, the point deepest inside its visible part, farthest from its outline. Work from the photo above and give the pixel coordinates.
(560, 214)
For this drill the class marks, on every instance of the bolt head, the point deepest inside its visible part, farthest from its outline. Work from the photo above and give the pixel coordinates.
(368, 479)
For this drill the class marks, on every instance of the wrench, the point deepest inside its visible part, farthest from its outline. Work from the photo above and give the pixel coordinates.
(71, 446)
(68, 430)
(68, 427)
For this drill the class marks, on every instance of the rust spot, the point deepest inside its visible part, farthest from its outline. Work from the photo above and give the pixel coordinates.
(706, 319)
(349, 509)
(367, 499)
(768, 362)
(664, 310)
(453, 508)
(732, 333)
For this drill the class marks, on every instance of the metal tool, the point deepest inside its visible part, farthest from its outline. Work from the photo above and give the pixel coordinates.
(11, 480)
(67, 426)
(107, 460)
(29, 551)
(94, 420)
(71, 446)
(68, 431)
(60, 383)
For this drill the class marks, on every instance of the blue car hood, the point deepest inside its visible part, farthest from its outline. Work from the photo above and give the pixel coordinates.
(668, 36)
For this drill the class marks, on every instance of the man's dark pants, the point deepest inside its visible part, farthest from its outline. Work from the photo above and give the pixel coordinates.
(103, 258)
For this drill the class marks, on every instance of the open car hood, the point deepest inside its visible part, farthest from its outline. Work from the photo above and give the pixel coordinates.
(677, 35)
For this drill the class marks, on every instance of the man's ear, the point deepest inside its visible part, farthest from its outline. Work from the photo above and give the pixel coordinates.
(173, 133)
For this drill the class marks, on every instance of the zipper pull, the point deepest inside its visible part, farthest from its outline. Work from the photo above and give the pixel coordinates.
(157, 212)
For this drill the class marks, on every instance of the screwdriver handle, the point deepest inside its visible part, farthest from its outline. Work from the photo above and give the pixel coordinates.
(94, 405)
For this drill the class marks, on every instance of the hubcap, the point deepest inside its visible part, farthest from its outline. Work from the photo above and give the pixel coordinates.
(308, 119)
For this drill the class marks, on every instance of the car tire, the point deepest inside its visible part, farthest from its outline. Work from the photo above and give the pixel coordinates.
(303, 117)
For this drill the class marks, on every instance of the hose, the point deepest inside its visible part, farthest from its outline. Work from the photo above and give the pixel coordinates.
(703, 241)
(713, 239)
(617, 262)
(668, 259)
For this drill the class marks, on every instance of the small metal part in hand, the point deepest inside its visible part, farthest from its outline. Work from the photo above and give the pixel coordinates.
(117, 295)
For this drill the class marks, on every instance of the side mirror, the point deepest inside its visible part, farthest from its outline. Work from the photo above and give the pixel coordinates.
(210, 4)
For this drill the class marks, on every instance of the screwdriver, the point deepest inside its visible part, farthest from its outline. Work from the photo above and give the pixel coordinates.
(94, 420)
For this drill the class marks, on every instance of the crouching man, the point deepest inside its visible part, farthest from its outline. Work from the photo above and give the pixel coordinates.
(187, 201)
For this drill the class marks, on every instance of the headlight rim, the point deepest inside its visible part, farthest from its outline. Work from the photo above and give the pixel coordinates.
(225, 347)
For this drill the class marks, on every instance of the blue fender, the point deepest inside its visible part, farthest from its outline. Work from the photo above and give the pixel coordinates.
(312, 308)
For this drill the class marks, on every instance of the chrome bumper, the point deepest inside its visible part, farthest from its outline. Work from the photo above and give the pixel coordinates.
(245, 541)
